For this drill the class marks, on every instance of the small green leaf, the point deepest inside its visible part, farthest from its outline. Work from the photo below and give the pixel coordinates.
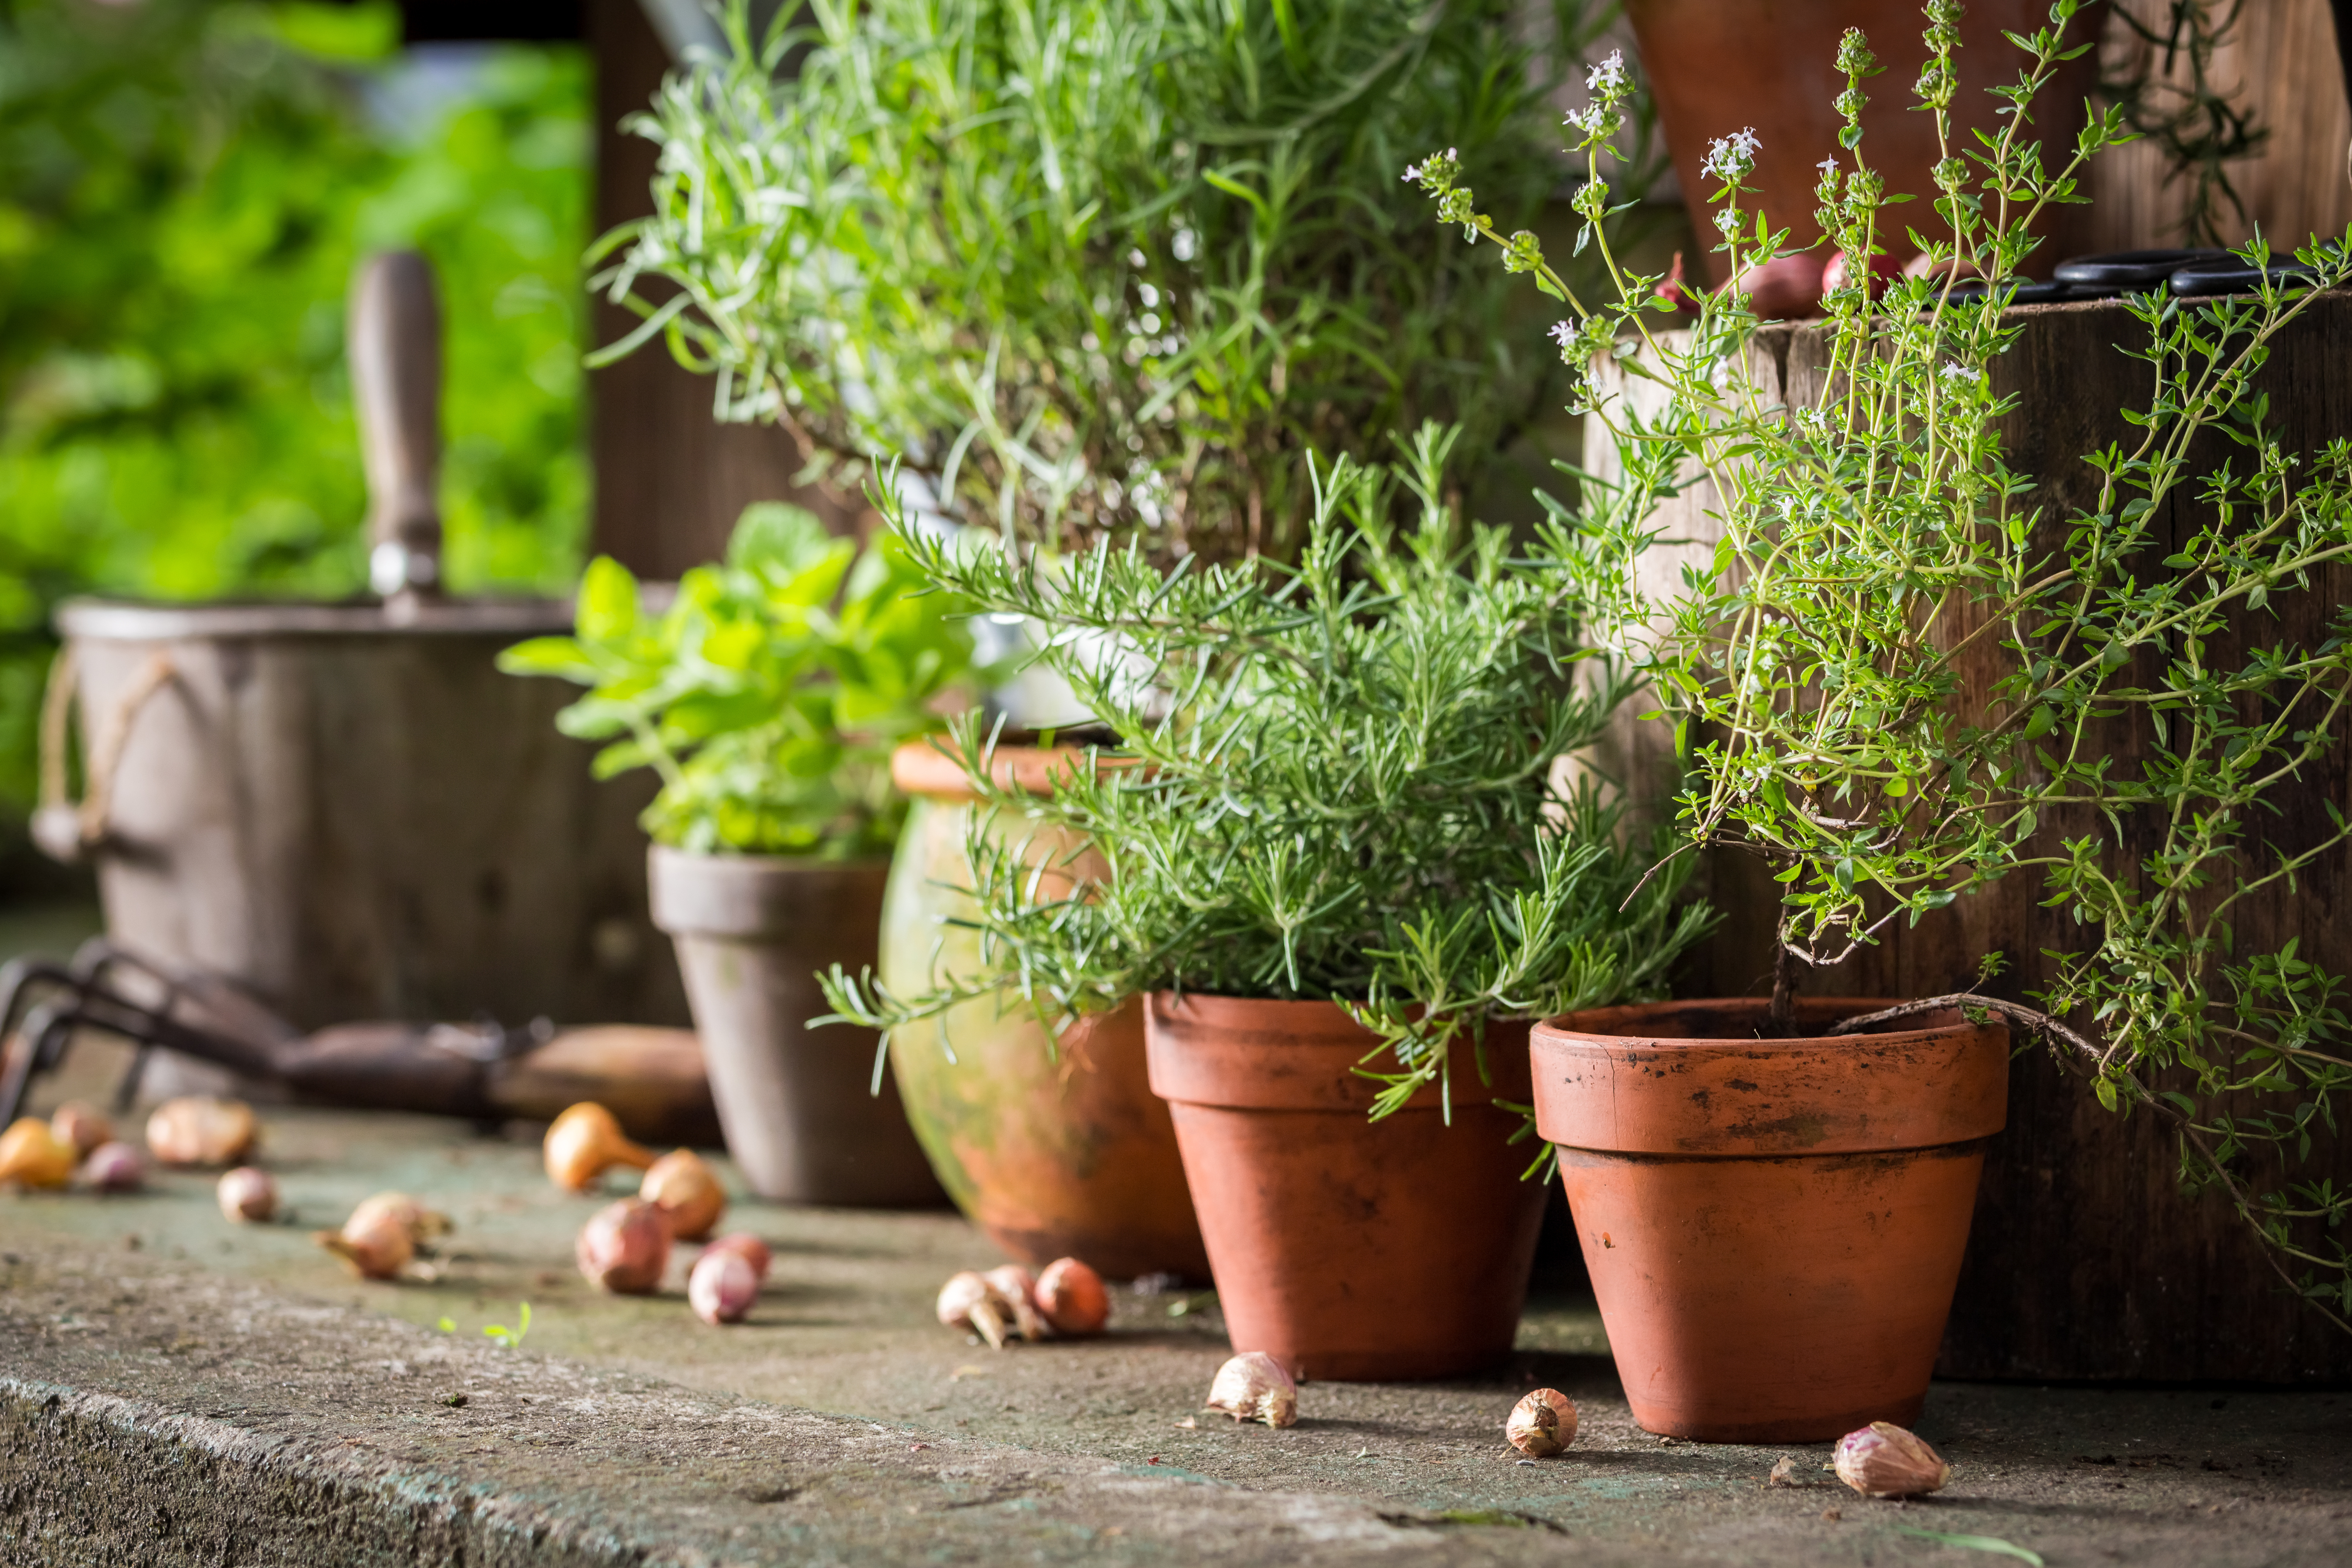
(1992, 1544)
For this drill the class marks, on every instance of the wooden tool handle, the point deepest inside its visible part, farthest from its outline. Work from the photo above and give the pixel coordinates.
(395, 355)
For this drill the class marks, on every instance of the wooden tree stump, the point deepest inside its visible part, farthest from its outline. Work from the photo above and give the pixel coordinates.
(2086, 1261)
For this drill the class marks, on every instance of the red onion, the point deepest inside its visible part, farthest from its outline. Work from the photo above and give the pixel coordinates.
(113, 1168)
(749, 1247)
(248, 1193)
(722, 1286)
(82, 1127)
(624, 1248)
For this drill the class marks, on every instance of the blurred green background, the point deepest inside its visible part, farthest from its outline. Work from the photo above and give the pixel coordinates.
(185, 189)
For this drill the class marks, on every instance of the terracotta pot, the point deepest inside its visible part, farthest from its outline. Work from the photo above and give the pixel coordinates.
(1054, 1151)
(1347, 1248)
(1773, 1228)
(1715, 69)
(797, 1104)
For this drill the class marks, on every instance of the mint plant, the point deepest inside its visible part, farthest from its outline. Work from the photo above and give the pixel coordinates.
(1903, 677)
(769, 694)
(1099, 266)
(1331, 782)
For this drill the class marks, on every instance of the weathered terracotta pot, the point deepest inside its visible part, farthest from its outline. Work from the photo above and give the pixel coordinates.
(797, 1104)
(1773, 1228)
(1055, 1150)
(1346, 1249)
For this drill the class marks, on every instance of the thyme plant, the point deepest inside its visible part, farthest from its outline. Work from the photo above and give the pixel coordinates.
(1094, 266)
(1330, 782)
(1901, 677)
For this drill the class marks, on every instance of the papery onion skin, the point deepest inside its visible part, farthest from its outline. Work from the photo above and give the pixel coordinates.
(747, 1246)
(722, 1287)
(1254, 1386)
(80, 1126)
(1542, 1424)
(199, 1129)
(32, 1155)
(421, 1224)
(1071, 1296)
(688, 1193)
(624, 1248)
(114, 1168)
(1883, 1460)
(583, 1143)
(248, 1194)
(971, 1300)
(372, 1246)
(1020, 1291)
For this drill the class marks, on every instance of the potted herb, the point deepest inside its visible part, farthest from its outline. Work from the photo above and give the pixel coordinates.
(1898, 679)
(1326, 847)
(1104, 270)
(769, 695)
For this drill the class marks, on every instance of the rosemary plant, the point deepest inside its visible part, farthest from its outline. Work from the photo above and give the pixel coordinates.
(1900, 678)
(1094, 266)
(769, 693)
(1331, 782)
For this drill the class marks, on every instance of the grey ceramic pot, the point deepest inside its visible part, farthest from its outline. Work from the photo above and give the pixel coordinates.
(753, 931)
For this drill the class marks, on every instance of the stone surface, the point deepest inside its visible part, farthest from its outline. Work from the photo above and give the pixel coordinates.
(174, 1388)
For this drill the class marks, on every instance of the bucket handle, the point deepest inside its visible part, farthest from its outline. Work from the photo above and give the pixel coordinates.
(66, 829)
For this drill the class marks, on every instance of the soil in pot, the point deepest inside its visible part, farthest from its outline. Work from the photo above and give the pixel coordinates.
(1343, 1248)
(797, 1104)
(1054, 1149)
(1774, 1226)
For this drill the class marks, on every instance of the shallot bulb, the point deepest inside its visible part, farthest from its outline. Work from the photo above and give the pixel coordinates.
(747, 1246)
(970, 1301)
(686, 1193)
(248, 1193)
(374, 1243)
(113, 1168)
(1542, 1424)
(722, 1286)
(1014, 1283)
(583, 1143)
(1072, 1296)
(624, 1248)
(1254, 1387)
(421, 1223)
(1881, 1459)
(31, 1155)
(82, 1127)
(198, 1129)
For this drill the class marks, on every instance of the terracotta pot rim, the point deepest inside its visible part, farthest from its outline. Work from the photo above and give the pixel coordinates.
(930, 767)
(1620, 1028)
(1279, 1054)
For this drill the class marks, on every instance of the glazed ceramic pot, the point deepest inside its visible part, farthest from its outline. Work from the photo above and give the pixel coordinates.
(1774, 1226)
(797, 1104)
(1054, 1148)
(1343, 1248)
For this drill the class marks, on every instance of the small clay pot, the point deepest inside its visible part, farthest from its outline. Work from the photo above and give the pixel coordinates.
(1348, 1249)
(1774, 1226)
(1056, 1149)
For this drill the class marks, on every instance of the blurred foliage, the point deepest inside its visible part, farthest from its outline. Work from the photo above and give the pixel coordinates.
(185, 190)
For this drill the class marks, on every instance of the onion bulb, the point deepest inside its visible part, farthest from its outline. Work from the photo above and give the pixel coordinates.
(749, 1247)
(1881, 1459)
(1014, 1283)
(1072, 1296)
(686, 1193)
(1542, 1424)
(970, 1301)
(421, 1223)
(248, 1193)
(583, 1143)
(624, 1248)
(722, 1286)
(1253, 1386)
(197, 1130)
(82, 1127)
(374, 1243)
(113, 1168)
(31, 1155)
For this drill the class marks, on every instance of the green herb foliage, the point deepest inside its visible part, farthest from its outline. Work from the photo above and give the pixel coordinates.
(1094, 266)
(1900, 678)
(1331, 782)
(770, 692)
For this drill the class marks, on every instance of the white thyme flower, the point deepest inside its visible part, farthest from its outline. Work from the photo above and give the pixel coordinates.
(1728, 158)
(1960, 373)
(1827, 165)
(1608, 76)
(1727, 222)
(1563, 332)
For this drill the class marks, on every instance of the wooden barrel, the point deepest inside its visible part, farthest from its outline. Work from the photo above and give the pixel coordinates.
(2086, 1261)
(357, 815)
